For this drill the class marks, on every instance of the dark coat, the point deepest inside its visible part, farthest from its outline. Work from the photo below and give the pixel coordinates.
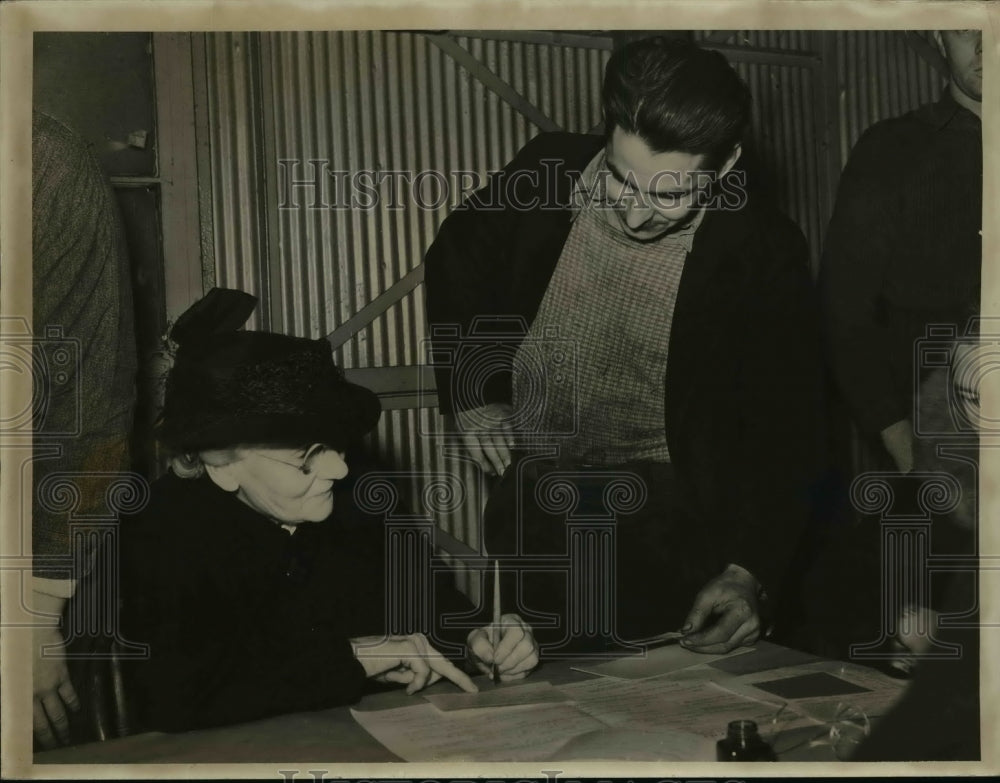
(245, 620)
(903, 253)
(744, 399)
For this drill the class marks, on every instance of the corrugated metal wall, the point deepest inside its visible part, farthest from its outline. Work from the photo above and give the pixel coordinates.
(234, 215)
(879, 76)
(785, 139)
(783, 69)
(281, 106)
(366, 101)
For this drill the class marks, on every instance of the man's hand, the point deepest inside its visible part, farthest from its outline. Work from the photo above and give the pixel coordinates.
(516, 653)
(487, 435)
(53, 690)
(408, 660)
(916, 625)
(725, 614)
(898, 441)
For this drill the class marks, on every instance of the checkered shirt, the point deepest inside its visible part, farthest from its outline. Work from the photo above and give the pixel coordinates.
(590, 373)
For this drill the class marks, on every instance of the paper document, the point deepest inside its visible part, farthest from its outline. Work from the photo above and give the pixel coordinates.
(822, 689)
(654, 663)
(811, 685)
(502, 696)
(637, 744)
(422, 732)
(700, 708)
(764, 656)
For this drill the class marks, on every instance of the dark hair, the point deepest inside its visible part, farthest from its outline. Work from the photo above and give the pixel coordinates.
(676, 96)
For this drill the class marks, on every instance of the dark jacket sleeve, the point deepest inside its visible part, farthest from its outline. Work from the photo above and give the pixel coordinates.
(857, 254)
(781, 406)
(213, 659)
(469, 275)
(82, 293)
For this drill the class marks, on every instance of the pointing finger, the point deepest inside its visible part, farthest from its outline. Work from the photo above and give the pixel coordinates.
(446, 668)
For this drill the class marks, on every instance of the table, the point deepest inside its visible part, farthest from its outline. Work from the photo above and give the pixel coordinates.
(320, 736)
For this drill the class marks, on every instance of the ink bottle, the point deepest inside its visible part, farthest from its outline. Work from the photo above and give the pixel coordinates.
(743, 743)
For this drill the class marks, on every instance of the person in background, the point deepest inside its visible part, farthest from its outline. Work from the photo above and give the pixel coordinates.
(82, 297)
(904, 248)
(256, 576)
(903, 253)
(669, 336)
(938, 718)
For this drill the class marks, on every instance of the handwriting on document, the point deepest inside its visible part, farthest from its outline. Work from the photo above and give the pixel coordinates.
(505, 696)
(701, 708)
(421, 732)
(875, 693)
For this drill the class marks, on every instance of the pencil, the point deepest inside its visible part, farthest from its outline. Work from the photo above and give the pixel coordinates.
(495, 634)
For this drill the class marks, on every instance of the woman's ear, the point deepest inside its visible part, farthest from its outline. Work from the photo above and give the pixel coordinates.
(223, 476)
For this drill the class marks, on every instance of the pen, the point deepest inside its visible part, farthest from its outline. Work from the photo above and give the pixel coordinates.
(651, 642)
(494, 634)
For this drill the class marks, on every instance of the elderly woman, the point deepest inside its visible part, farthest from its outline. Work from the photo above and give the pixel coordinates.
(254, 577)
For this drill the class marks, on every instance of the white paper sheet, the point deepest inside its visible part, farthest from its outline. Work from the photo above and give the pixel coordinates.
(421, 732)
(883, 691)
(701, 708)
(498, 696)
(654, 663)
(637, 744)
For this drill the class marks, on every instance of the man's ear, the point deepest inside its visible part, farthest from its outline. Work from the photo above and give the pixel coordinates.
(223, 476)
(731, 161)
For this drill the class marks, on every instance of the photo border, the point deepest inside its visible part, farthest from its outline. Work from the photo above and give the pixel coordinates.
(20, 18)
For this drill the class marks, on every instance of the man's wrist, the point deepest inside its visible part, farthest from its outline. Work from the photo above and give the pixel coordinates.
(58, 588)
(47, 608)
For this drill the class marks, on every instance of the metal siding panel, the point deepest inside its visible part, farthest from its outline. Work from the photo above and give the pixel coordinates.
(376, 101)
(237, 218)
(880, 76)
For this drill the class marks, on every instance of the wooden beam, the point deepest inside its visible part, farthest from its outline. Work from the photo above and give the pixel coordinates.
(928, 52)
(541, 37)
(184, 232)
(493, 82)
(400, 387)
(376, 307)
(719, 36)
(761, 56)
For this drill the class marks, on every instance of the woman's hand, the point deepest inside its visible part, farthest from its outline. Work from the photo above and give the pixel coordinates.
(516, 653)
(407, 660)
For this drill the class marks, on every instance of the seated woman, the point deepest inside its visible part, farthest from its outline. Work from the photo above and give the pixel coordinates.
(255, 578)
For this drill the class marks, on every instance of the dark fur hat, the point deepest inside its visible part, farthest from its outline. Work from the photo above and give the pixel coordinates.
(229, 387)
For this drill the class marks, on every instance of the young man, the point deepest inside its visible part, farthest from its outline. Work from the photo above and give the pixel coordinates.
(670, 347)
(904, 253)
